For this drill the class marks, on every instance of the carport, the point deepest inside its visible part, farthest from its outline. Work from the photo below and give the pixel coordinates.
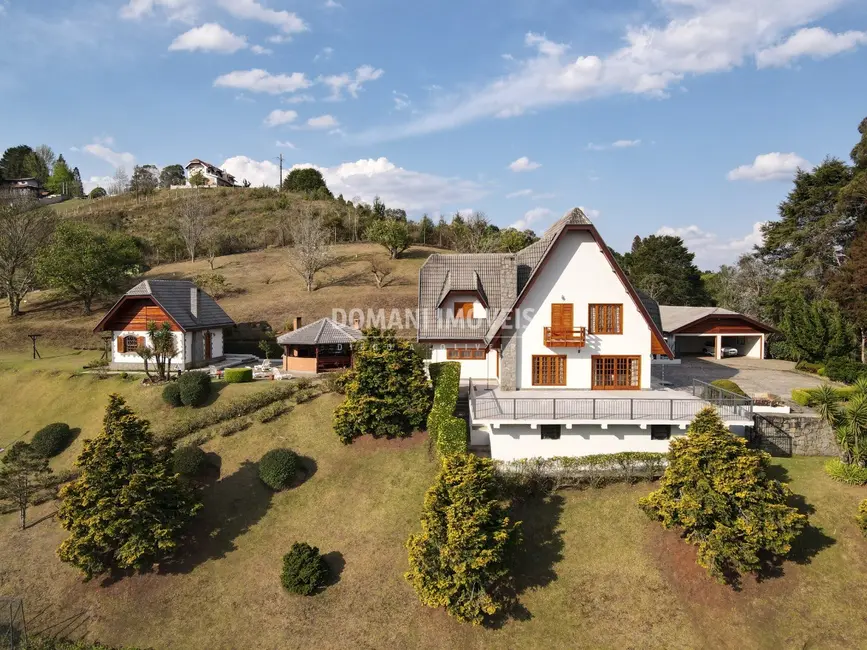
(690, 329)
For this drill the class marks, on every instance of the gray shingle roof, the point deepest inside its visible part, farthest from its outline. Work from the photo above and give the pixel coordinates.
(674, 316)
(175, 297)
(325, 331)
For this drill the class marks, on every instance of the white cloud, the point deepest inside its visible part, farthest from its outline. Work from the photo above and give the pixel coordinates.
(183, 10)
(258, 49)
(113, 158)
(590, 213)
(284, 145)
(262, 81)
(351, 82)
(332, 4)
(617, 144)
(769, 167)
(367, 178)
(517, 193)
(96, 181)
(287, 21)
(530, 194)
(524, 164)
(324, 55)
(815, 42)
(697, 37)
(298, 99)
(531, 217)
(401, 100)
(278, 117)
(323, 122)
(711, 251)
(210, 37)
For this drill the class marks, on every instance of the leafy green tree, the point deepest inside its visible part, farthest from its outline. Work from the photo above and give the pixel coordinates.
(816, 330)
(172, 175)
(305, 180)
(23, 475)
(97, 193)
(125, 510)
(425, 229)
(25, 229)
(22, 162)
(848, 288)
(720, 494)
(460, 559)
(475, 234)
(663, 268)
(85, 264)
(392, 235)
(198, 179)
(387, 392)
(144, 181)
(512, 240)
(62, 180)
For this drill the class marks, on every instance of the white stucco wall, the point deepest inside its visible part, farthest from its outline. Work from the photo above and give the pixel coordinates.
(751, 347)
(134, 358)
(577, 272)
(511, 442)
(470, 368)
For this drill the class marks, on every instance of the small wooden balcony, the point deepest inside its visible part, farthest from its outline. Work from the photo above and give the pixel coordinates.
(570, 338)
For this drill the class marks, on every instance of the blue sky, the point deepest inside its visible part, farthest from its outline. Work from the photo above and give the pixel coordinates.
(674, 116)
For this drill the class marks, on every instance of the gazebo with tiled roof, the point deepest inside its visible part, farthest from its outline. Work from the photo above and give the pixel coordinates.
(318, 347)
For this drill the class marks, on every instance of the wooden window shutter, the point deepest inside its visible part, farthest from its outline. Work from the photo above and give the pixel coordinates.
(120, 346)
(562, 317)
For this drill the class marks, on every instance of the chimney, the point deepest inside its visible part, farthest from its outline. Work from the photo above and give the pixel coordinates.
(297, 324)
(356, 323)
(508, 335)
(194, 302)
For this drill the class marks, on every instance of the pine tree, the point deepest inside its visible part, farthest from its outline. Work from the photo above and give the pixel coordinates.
(125, 510)
(77, 185)
(23, 474)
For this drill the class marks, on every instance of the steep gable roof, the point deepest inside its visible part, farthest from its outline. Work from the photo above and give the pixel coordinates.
(325, 331)
(676, 317)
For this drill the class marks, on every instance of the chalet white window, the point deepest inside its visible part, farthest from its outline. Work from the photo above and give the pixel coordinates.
(130, 344)
(550, 431)
(660, 431)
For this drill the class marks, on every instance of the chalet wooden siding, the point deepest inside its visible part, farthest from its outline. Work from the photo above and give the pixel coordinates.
(725, 326)
(134, 316)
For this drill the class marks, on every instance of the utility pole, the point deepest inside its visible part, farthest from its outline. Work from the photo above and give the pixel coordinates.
(280, 186)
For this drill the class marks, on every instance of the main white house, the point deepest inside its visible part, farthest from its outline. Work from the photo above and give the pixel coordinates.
(555, 347)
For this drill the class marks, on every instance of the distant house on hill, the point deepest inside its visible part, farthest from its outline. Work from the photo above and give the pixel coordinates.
(214, 176)
(196, 320)
(22, 187)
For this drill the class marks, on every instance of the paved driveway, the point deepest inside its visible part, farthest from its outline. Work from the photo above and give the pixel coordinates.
(753, 375)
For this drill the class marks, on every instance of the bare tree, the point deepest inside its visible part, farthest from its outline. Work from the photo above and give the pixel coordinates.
(381, 269)
(310, 251)
(119, 183)
(25, 228)
(191, 221)
(475, 234)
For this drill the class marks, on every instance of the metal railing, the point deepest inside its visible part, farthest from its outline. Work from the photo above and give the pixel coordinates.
(492, 407)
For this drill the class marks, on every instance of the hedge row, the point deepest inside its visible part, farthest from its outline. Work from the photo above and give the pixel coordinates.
(448, 433)
(805, 396)
(812, 368)
(222, 411)
(548, 474)
(238, 375)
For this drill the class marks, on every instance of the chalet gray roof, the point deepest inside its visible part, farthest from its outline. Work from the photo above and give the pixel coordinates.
(484, 273)
(653, 308)
(325, 331)
(675, 316)
(175, 297)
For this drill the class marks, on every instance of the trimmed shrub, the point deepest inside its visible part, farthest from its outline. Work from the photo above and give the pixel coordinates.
(50, 440)
(172, 394)
(802, 396)
(844, 369)
(274, 411)
(238, 375)
(861, 517)
(233, 426)
(188, 461)
(449, 434)
(460, 559)
(335, 382)
(718, 492)
(278, 467)
(807, 396)
(304, 570)
(850, 474)
(813, 368)
(729, 385)
(194, 387)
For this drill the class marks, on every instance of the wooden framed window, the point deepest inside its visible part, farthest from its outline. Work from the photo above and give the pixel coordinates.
(549, 370)
(550, 431)
(562, 318)
(616, 373)
(660, 431)
(606, 319)
(128, 344)
(463, 310)
(465, 354)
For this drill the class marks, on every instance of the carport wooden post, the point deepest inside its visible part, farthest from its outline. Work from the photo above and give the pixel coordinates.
(718, 350)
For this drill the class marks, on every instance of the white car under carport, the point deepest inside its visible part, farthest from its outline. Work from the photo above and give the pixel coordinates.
(713, 331)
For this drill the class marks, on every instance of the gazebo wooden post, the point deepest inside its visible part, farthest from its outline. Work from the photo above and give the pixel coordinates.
(316, 348)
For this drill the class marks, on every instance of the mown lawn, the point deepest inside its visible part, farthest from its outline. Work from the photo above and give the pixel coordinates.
(593, 571)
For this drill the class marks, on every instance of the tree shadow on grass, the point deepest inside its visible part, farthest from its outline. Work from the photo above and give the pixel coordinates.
(540, 549)
(336, 564)
(232, 506)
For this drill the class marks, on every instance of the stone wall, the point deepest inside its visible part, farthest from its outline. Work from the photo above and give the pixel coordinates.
(808, 434)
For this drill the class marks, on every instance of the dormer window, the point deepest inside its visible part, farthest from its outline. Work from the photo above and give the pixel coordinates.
(463, 310)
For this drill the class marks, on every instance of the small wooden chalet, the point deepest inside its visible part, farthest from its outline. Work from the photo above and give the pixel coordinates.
(196, 320)
(318, 347)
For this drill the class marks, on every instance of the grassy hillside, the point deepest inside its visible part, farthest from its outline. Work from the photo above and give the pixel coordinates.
(262, 288)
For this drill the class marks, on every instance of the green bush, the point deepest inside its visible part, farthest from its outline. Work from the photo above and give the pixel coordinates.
(449, 434)
(233, 426)
(807, 396)
(844, 369)
(172, 394)
(719, 493)
(50, 440)
(278, 467)
(335, 382)
(814, 368)
(304, 570)
(802, 396)
(461, 558)
(850, 474)
(274, 411)
(861, 517)
(194, 388)
(238, 375)
(729, 385)
(188, 461)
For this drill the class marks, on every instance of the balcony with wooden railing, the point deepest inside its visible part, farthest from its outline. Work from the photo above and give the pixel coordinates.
(568, 338)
